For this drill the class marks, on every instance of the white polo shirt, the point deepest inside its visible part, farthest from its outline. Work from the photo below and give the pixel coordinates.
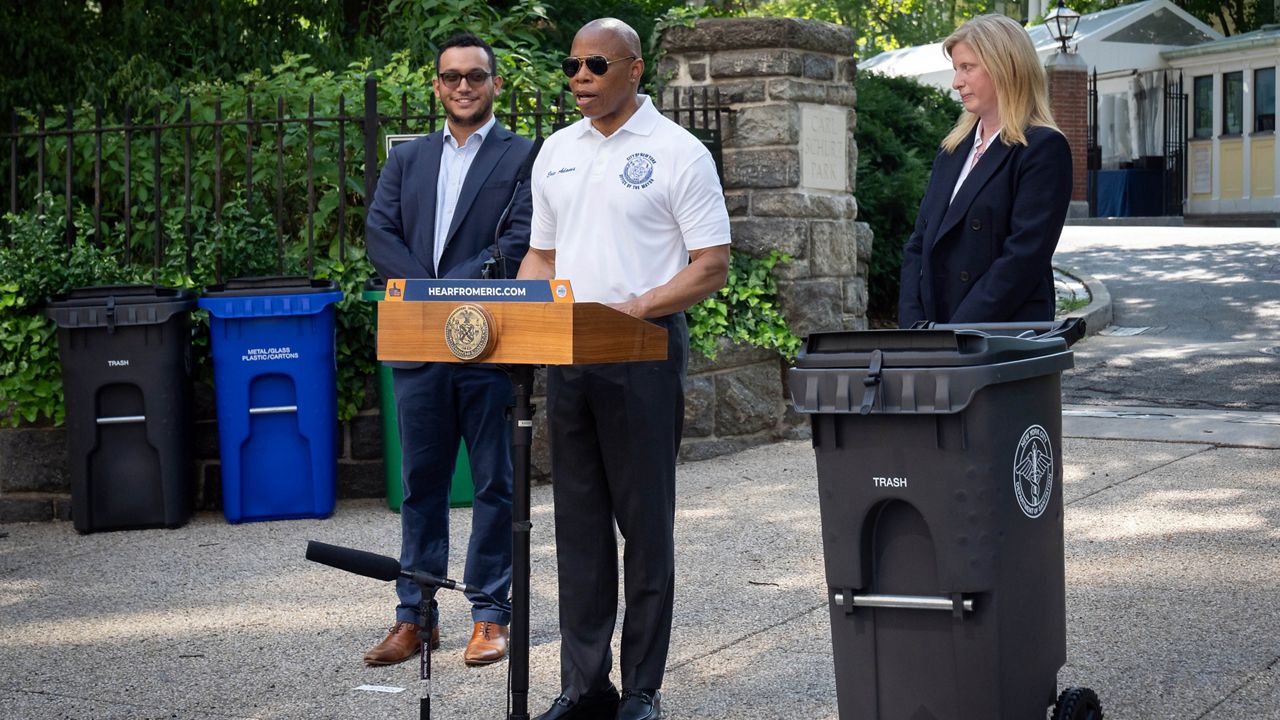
(622, 212)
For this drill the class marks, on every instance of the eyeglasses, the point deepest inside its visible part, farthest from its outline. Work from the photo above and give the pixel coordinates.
(474, 78)
(596, 64)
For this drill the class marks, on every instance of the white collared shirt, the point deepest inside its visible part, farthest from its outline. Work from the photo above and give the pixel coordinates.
(978, 148)
(455, 161)
(622, 212)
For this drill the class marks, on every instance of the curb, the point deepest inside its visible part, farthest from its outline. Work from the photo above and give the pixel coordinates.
(1097, 314)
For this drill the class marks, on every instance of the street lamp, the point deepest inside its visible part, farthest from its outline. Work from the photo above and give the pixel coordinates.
(1062, 23)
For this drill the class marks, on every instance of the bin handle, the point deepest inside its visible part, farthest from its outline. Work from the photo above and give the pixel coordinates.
(273, 410)
(122, 419)
(906, 602)
(872, 382)
(1070, 329)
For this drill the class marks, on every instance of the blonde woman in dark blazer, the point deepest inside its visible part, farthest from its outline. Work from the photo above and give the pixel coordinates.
(998, 193)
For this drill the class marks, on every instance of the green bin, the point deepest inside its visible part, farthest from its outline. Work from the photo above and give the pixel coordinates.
(462, 490)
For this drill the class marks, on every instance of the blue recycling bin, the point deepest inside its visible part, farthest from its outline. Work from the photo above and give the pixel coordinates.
(275, 384)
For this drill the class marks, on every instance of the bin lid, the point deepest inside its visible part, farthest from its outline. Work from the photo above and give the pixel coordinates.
(920, 348)
(269, 297)
(914, 371)
(375, 288)
(276, 285)
(118, 305)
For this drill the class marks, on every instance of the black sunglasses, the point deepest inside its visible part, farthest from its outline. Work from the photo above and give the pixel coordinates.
(597, 64)
(474, 78)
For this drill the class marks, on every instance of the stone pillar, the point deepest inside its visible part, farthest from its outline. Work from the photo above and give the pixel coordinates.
(1069, 101)
(789, 153)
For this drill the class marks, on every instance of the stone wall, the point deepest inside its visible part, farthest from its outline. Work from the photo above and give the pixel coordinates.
(790, 159)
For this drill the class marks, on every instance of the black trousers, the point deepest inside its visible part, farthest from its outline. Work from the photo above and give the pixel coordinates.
(615, 436)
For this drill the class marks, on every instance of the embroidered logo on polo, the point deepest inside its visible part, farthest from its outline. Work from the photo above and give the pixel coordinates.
(638, 172)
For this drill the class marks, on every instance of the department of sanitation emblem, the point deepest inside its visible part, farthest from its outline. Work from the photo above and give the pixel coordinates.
(469, 332)
(1033, 471)
(638, 172)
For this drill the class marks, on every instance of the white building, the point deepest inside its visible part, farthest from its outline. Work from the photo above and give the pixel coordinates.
(1231, 157)
(1232, 154)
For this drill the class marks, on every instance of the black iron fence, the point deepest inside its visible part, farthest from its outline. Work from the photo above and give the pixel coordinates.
(1173, 162)
(1175, 144)
(1093, 150)
(147, 175)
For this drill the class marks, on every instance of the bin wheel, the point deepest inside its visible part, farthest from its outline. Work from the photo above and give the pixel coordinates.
(1077, 704)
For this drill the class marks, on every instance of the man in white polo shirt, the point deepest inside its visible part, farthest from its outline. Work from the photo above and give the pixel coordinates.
(628, 207)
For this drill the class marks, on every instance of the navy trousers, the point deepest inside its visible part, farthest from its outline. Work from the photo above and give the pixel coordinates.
(615, 436)
(438, 404)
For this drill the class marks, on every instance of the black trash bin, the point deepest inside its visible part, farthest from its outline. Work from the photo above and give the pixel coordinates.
(939, 460)
(126, 376)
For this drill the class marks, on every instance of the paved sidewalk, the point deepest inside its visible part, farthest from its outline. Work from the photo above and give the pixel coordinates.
(1173, 576)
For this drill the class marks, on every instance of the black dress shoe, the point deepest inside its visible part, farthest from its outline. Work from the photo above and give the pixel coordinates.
(599, 706)
(640, 705)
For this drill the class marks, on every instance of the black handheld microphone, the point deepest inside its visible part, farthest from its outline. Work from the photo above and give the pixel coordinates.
(378, 567)
(523, 174)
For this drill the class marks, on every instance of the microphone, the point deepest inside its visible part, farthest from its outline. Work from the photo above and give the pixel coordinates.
(523, 174)
(378, 567)
(425, 579)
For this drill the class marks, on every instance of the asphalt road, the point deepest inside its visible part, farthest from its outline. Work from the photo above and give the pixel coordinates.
(1209, 299)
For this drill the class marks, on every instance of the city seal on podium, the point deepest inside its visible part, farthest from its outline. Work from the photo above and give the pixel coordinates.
(469, 332)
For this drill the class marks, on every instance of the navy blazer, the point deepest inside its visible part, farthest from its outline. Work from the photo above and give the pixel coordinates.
(985, 257)
(401, 224)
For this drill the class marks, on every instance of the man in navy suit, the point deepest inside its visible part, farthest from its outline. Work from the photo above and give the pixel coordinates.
(435, 215)
(998, 194)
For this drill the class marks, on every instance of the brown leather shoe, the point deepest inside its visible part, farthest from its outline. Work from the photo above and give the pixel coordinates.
(400, 644)
(488, 644)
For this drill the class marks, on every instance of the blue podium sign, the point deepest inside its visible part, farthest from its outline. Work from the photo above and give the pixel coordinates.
(428, 290)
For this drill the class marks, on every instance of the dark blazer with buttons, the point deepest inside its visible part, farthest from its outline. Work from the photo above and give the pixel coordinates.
(400, 227)
(985, 257)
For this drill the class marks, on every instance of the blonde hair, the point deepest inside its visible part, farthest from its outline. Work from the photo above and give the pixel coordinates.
(1022, 96)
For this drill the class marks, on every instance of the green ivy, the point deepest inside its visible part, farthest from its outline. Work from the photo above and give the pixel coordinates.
(745, 310)
(355, 330)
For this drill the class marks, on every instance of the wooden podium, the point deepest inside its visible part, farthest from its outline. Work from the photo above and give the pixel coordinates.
(527, 333)
(520, 324)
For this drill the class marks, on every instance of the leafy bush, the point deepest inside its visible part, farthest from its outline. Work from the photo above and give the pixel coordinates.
(745, 310)
(900, 126)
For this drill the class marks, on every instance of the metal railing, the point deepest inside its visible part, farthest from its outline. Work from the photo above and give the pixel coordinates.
(253, 140)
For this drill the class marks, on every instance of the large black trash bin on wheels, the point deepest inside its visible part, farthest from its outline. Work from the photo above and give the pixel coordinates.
(126, 377)
(939, 462)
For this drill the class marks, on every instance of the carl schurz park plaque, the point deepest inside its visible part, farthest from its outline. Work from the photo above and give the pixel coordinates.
(824, 137)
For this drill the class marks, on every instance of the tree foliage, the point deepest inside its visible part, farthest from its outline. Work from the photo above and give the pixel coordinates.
(882, 24)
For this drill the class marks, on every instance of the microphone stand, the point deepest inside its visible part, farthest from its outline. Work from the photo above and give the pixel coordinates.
(424, 648)
(521, 440)
(380, 567)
